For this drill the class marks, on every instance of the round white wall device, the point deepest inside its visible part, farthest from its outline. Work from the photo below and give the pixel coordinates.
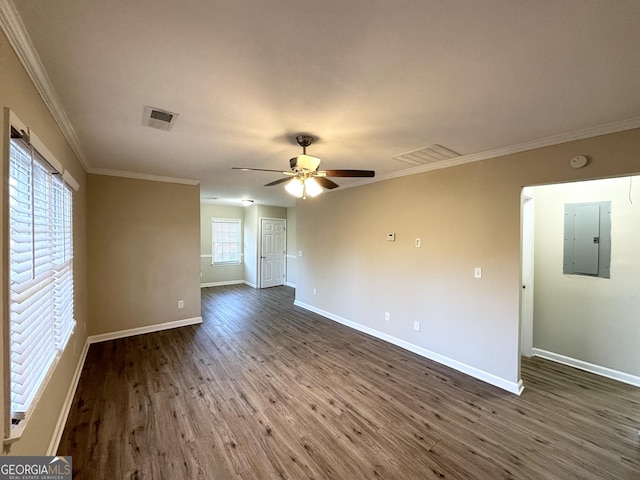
(578, 161)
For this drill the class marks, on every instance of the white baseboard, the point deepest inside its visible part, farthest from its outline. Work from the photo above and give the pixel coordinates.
(68, 401)
(249, 284)
(219, 284)
(588, 367)
(289, 284)
(513, 387)
(103, 337)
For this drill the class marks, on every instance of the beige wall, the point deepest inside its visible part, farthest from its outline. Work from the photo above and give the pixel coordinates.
(217, 274)
(144, 251)
(252, 217)
(595, 320)
(18, 93)
(250, 248)
(467, 216)
(292, 252)
(267, 211)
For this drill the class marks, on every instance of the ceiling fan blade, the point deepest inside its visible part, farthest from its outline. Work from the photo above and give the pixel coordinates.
(246, 169)
(348, 173)
(278, 182)
(326, 183)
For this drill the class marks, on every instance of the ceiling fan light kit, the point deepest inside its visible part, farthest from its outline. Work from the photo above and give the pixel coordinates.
(303, 188)
(305, 179)
(295, 187)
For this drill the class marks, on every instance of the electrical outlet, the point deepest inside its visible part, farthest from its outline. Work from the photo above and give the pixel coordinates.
(299, 253)
(315, 292)
(387, 316)
(416, 326)
(180, 303)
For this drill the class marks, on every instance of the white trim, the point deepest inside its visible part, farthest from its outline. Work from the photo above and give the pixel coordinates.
(42, 149)
(249, 284)
(103, 337)
(44, 152)
(206, 255)
(291, 256)
(582, 134)
(588, 367)
(229, 220)
(19, 39)
(68, 402)
(220, 284)
(69, 180)
(142, 176)
(606, 129)
(14, 121)
(259, 245)
(500, 382)
(289, 284)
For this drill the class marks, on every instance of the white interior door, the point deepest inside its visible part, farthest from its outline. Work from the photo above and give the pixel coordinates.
(526, 293)
(272, 252)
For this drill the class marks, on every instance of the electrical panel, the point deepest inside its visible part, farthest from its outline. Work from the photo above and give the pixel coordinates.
(587, 239)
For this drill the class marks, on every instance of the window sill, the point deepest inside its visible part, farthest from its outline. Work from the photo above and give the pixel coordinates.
(16, 433)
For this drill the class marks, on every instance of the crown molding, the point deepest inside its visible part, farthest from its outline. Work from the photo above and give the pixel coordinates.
(14, 28)
(590, 132)
(142, 176)
(19, 39)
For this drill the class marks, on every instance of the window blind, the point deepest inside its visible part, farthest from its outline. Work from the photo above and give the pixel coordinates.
(41, 271)
(226, 240)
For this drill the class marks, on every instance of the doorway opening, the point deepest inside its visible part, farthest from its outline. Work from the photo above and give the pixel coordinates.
(587, 321)
(272, 252)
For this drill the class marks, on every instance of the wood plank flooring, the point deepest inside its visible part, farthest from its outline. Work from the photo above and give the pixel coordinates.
(266, 390)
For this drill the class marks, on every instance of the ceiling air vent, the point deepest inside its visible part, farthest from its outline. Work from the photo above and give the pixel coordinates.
(432, 154)
(158, 118)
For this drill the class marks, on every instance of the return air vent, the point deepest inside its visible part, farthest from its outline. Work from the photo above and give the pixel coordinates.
(432, 154)
(158, 118)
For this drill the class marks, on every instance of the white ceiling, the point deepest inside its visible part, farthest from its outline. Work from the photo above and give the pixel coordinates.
(371, 79)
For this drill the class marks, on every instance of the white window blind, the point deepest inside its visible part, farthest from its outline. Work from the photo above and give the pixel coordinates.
(41, 271)
(225, 236)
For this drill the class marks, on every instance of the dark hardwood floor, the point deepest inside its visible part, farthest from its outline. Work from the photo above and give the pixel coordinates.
(266, 390)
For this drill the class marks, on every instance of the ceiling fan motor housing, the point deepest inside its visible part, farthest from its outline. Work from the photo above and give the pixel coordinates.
(304, 140)
(304, 162)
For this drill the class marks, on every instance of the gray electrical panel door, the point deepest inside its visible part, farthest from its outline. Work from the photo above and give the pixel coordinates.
(587, 239)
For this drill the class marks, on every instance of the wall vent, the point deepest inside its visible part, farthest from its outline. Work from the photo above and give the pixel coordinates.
(432, 154)
(158, 118)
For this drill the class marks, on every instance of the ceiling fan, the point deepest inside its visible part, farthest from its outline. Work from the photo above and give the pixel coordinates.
(305, 178)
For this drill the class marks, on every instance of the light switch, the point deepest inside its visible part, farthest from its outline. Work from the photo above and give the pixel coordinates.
(477, 272)
(418, 242)
(391, 237)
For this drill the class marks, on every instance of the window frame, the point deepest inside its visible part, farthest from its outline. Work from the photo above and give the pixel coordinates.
(60, 317)
(233, 221)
